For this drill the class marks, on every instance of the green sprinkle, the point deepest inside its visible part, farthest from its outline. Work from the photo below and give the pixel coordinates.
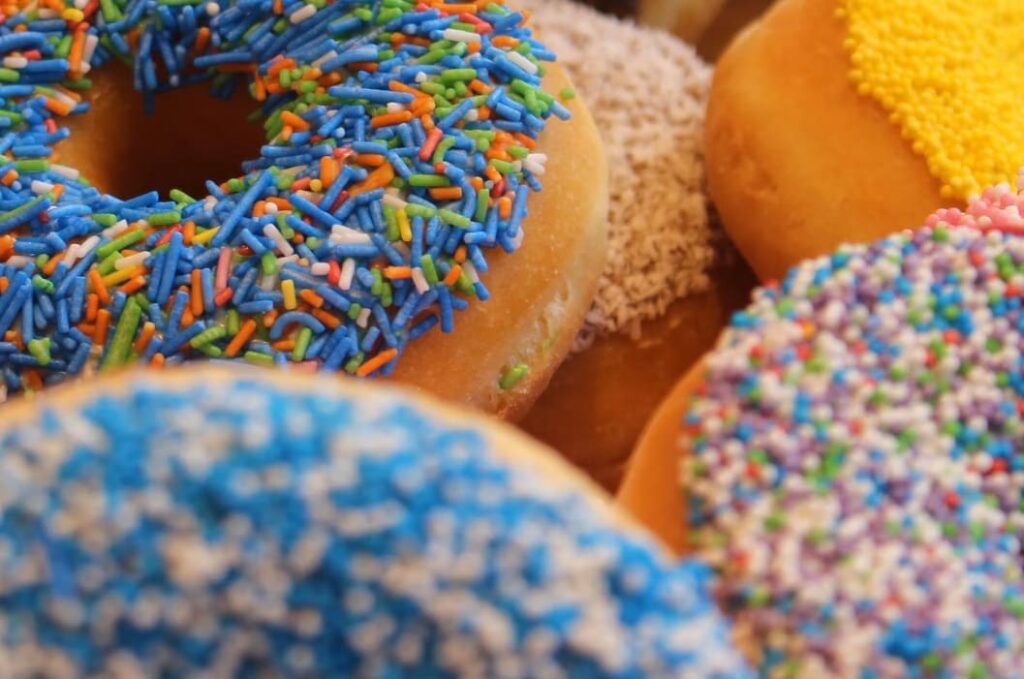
(454, 218)
(429, 180)
(120, 243)
(231, 322)
(258, 358)
(512, 376)
(42, 284)
(302, 344)
(180, 197)
(31, 165)
(429, 270)
(211, 334)
(567, 94)
(121, 343)
(164, 218)
(40, 350)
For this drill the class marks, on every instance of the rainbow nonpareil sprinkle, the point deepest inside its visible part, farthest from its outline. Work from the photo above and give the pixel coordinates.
(401, 147)
(236, 528)
(857, 472)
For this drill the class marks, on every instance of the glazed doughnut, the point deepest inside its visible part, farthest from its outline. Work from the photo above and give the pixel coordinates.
(656, 310)
(852, 456)
(401, 145)
(835, 121)
(240, 523)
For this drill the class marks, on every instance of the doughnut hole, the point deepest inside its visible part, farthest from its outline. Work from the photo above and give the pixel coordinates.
(188, 138)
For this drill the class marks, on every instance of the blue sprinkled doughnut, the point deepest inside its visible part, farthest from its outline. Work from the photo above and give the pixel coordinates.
(401, 148)
(236, 522)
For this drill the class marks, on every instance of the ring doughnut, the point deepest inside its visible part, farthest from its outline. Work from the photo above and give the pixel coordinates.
(402, 144)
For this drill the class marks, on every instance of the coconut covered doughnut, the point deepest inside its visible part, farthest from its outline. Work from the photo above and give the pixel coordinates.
(852, 456)
(402, 145)
(233, 522)
(832, 121)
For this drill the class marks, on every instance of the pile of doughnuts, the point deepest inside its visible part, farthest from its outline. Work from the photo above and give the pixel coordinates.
(833, 490)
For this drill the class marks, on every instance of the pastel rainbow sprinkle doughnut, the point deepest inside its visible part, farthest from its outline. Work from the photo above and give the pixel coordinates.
(399, 150)
(231, 523)
(856, 473)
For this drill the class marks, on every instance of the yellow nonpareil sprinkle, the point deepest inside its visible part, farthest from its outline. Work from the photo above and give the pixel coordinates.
(950, 73)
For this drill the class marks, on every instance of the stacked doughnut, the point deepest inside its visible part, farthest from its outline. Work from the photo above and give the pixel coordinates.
(401, 148)
(229, 523)
(852, 464)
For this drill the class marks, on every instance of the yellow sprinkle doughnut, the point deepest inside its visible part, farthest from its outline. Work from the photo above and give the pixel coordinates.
(950, 74)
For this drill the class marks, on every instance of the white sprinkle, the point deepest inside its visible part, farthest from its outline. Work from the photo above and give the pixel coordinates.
(115, 229)
(301, 14)
(64, 171)
(88, 50)
(344, 235)
(457, 35)
(131, 260)
(420, 281)
(40, 187)
(212, 9)
(348, 270)
(15, 62)
(364, 318)
(270, 208)
(522, 62)
(320, 269)
(283, 246)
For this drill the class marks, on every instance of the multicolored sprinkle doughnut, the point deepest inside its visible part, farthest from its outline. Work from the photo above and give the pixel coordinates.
(855, 472)
(233, 523)
(400, 148)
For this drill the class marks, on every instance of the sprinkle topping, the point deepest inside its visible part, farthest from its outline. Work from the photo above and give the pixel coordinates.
(857, 470)
(949, 73)
(232, 528)
(400, 148)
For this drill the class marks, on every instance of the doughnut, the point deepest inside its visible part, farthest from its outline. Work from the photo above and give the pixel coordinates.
(686, 18)
(852, 465)
(834, 121)
(241, 522)
(655, 297)
(402, 143)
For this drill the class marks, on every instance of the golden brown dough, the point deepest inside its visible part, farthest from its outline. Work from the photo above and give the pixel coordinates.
(797, 161)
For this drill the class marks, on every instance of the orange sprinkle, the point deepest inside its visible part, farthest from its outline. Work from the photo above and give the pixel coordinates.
(270, 318)
(378, 361)
(189, 232)
(460, 254)
(239, 340)
(328, 319)
(453, 275)
(197, 293)
(32, 379)
(157, 361)
(9, 177)
(525, 140)
(479, 86)
(3, 284)
(187, 317)
(311, 298)
(328, 170)
(51, 265)
(57, 106)
(505, 41)
(504, 207)
(397, 272)
(446, 193)
(422, 107)
(377, 179)
(387, 119)
(99, 335)
(97, 286)
(294, 121)
(92, 305)
(369, 159)
(279, 66)
(133, 286)
(202, 39)
(77, 49)
(148, 330)
(259, 209)
(284, 344)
